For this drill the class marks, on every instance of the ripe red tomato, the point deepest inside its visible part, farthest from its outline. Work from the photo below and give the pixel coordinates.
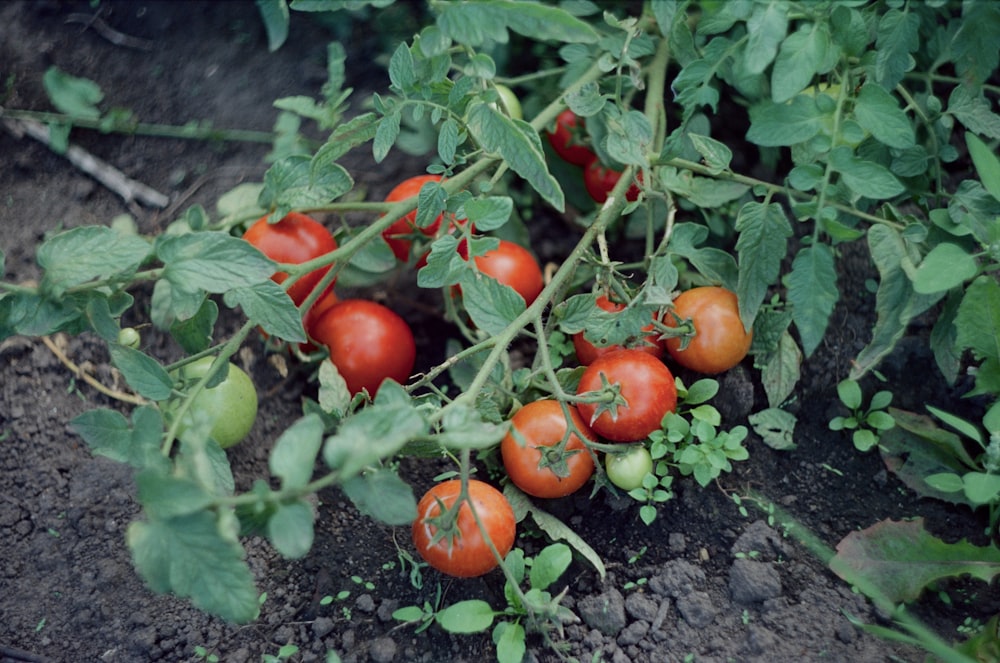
(397, 235)
(599, 180)
(646, 385)
(587, 352)
(569, 139)
(511, 264)
(295, 239)
(465, 555)
(720, 341)
(543, 424)
(367, 342)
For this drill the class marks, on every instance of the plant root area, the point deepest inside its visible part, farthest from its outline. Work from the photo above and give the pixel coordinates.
(702, 583)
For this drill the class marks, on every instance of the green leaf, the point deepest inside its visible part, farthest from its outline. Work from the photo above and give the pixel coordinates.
(973, 46)
(987, 164)
(108, 434)
(491, 304)
(878, 111)
(946, 482)
(476, 23)
(212, 262)
(77, 97)
(981, 488)
(776, 125)
(385, 135)
(781, 372)
(373, 434)
(167, 496)
(946, 266)
(334, 396)
(489, 213)
(348, 135)
(464, 428)
(801, 55)
(849, 392)
(812, 291)
(290, 529)
(142, 372)
(897, 37)
(196, 556)
(401, 71)
(866, 178)
(896, 303)
(900, 559)
(274, 14)
(206, 463)
(704, 192)
(269, 305)
(972, 109)
(766, 28)
(628, 137)
(509, 638)
(470, 616)
(85, 253)
(776, 427)
(382, 495)
(549, 565)
(559, 531)
(298, 181)
(520, 147)
(716, 155)
(293, 457)
(764, 232)
(195, 333)
(978, 319)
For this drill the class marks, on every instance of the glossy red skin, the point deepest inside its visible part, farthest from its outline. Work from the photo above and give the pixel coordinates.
(543, 424)
(599, 180)
(468, 555)
(587, 352)
(647, 386)
(397, 235)
(367, 342)
(513, 265)
(566, 139)
(295, 239)
(321, 306)
(720, 341)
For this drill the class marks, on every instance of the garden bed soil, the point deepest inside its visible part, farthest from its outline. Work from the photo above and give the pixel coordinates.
(702, 583)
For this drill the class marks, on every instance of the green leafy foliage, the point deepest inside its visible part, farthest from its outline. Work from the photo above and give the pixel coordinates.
(901, 559)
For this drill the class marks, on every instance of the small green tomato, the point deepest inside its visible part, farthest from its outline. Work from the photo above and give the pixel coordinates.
(129, 337)
(509, 102)
(627, 469)
(230, 406)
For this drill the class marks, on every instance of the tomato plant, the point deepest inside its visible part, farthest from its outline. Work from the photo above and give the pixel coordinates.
(647, 393)
(568, 139)
(512, 265)
(720, 340)
(457, 546)
(509, 102)
(628, 468)
(600, 180)
(530, 454)
(587, 352)
(368, 343)
(295, 239)
(228, 408)
(397, 236)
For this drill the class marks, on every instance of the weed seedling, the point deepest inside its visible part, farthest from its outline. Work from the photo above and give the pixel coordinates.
(867, 424)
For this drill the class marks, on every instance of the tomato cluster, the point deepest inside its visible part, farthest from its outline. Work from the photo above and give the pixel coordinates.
(570, 141)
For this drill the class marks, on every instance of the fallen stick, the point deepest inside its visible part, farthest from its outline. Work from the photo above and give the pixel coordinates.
(112, 178)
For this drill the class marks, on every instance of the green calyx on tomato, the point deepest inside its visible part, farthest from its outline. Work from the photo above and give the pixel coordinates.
(294, 239)
(719, 342)
(628, 468)
(452, 542)
(646, 393)
(587, 352)
(368, 343)
(229, 408)
(530, 450)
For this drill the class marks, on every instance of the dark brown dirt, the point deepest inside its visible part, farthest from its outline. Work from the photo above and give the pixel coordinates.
(68, 591)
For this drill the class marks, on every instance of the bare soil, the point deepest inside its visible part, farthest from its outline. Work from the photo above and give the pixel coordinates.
(705, 583)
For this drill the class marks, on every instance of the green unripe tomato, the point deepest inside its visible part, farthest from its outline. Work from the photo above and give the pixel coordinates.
(509, 102)
(230, 406)
(626, 470)
(129, 337)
